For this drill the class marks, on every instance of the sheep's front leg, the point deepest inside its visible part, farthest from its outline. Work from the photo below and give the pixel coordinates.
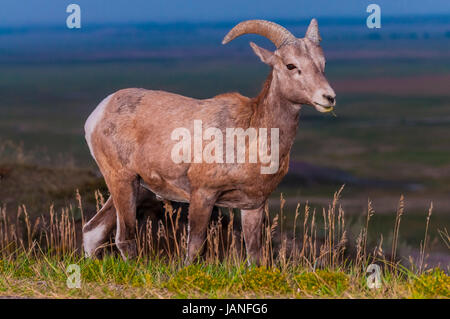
(200, 207)
(252, 220)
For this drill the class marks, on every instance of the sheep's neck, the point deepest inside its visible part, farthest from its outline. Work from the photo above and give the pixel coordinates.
(274, 111)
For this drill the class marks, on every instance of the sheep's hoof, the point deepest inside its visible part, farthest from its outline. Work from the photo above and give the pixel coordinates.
(127, 249)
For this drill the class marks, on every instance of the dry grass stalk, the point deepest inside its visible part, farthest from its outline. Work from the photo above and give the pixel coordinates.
(424, 244)
(398, 217)
(56, 235)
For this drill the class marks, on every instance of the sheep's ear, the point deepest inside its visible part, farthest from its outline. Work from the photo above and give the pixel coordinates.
(265, 55)
(313, 32)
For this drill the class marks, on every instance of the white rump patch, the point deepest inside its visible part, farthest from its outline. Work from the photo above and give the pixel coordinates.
(92, 121)
(92, 239)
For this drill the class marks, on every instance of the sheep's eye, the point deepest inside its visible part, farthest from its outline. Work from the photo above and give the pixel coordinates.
(290, 66)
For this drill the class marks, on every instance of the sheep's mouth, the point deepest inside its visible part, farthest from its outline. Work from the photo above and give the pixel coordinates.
(323, 108)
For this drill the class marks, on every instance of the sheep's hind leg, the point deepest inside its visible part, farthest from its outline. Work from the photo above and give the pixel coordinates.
(97, 231)
(124, 191)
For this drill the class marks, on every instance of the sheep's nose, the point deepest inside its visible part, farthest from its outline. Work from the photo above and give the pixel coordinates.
(329, 98)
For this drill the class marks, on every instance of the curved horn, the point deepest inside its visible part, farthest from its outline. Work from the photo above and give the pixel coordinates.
(272, 31)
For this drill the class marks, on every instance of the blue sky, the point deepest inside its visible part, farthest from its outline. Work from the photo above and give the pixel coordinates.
(30, 12)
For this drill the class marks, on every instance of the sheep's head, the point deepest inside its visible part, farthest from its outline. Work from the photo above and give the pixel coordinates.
(298, 63)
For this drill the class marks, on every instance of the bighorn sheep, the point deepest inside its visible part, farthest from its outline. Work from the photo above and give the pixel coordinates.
(130, 137)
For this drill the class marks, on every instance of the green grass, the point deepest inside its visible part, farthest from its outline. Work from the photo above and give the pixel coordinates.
(317, 258)
(431, 285)
(323, 283)
(46, 276)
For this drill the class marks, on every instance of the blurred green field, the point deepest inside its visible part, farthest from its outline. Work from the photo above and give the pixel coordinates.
(374, 134)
